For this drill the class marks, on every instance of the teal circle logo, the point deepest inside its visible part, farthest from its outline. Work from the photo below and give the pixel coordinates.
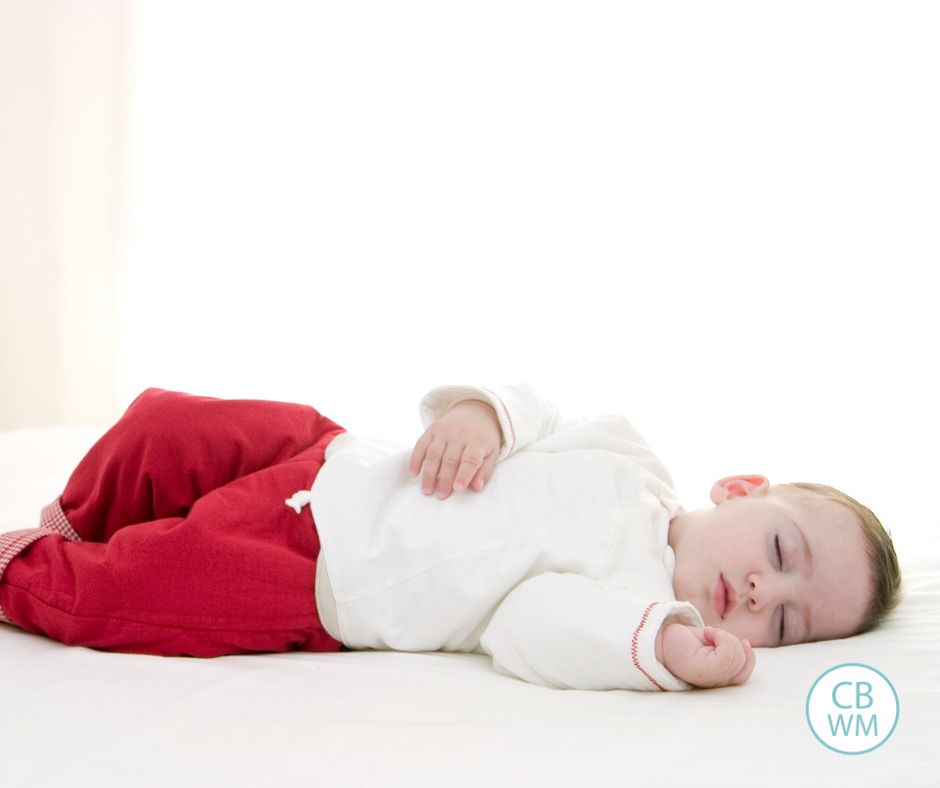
(852, 708)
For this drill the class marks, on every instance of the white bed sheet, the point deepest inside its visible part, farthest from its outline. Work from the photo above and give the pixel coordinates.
(83, 717)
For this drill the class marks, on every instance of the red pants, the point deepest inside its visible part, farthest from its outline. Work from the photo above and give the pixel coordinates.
(172, 536)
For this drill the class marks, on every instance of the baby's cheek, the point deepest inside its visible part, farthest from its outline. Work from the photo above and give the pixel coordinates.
(745, 630)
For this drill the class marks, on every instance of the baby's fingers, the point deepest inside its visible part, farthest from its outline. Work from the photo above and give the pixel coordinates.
(470, 464)
(749, 663)
(482, 474)
(431, 465)
(729, 656)
(417, 454)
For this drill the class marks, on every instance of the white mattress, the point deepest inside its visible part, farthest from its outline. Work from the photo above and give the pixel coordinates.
(82, 717)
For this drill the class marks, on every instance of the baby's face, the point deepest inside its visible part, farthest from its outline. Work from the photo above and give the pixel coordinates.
(817, 588)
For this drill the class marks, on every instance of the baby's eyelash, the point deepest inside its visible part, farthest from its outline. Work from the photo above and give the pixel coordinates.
(780, 563)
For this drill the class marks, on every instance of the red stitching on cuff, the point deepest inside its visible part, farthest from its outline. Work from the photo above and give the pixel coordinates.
(634, 649)
(512, 427)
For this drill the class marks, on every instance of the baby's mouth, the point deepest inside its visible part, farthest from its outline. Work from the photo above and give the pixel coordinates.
(731, 596)
(720, 597)
(724, 596)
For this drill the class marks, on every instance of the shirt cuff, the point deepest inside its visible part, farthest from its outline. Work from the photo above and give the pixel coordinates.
(643, 641)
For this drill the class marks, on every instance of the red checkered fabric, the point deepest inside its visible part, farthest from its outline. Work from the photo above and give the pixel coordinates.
(52, 520)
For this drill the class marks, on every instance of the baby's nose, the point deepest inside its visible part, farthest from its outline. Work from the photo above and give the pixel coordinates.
(756, 592)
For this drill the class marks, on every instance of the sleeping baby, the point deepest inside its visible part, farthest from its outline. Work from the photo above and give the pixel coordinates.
(556, 546)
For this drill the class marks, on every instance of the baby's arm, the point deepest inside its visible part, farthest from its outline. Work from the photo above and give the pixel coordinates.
(525, 414)
(573, 632)
(704, 657)
(458, 450)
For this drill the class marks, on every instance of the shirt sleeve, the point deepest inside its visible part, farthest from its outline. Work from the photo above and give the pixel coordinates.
(567, 631)
(525, 414)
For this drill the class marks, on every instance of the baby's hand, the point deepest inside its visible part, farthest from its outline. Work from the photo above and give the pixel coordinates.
(706, 657)
(458, 450)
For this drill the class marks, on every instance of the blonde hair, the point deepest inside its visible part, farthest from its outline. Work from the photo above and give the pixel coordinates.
(885, 569)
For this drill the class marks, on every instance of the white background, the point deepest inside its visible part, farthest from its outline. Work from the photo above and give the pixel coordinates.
(719, 219)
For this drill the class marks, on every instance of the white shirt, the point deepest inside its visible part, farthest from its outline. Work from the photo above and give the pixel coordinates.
(559, 569)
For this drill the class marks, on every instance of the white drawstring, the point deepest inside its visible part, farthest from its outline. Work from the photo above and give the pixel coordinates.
(299, 499)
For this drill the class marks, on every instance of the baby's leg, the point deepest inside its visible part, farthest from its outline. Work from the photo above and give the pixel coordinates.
(234, 575)
(169, 449)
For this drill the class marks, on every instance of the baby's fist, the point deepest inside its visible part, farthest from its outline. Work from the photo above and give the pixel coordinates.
(708, 657)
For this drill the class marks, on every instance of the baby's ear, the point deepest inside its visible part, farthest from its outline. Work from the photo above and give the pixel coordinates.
(739, 486)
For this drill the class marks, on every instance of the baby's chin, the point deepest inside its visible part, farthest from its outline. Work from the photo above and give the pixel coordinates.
(711, 618)
(702, 605)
